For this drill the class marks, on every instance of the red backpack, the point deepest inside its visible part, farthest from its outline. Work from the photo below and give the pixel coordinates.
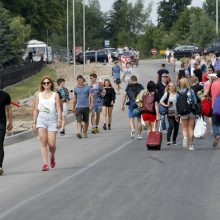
(148, 103)
(207, 107)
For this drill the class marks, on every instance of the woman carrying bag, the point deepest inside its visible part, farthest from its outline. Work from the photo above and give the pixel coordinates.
(169, 100)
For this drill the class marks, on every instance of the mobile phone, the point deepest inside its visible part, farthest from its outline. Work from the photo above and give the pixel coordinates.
(171, 103)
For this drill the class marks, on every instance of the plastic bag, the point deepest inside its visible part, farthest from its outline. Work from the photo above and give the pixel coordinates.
(200, 128)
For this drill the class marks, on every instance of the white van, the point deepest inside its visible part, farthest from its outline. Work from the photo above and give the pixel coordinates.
(39, 49)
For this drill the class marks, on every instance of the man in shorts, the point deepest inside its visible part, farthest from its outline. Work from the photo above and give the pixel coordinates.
(116, 73)
(96, 89)
(5, 109)
(82, 104)
(131, 92)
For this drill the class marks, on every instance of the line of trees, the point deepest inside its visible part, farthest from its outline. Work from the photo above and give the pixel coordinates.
(125, 24)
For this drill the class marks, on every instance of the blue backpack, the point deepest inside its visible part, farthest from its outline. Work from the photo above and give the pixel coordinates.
(216, 107)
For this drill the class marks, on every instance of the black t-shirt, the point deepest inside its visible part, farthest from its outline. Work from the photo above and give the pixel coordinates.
(161, 71)
(5, 99)
(197, 88)
(198, 73)
(160, 89)
(133, 89)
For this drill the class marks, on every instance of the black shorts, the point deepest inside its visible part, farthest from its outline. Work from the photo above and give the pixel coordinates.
(117, 81)
(82, 114)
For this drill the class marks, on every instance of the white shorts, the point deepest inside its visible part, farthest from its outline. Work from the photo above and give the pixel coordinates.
(65, 109)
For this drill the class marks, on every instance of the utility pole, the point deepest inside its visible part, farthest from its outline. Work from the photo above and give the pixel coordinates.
(84, 40)
(217, 17)
(74, 42)
(67, 32)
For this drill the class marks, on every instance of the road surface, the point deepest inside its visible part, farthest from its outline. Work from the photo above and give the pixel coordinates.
(111, 177)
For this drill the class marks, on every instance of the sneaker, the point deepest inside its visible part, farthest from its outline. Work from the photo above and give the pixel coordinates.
(97, 130)
(174, 143)
(168, 143)
(1, 171)
(164, 131)
(139, 137)
(85, 135)
(79, 136)
(132, 134)
(191, 147)
(109, 127)
(185, 142)
(94, 130)
(45, 167)
(62, 133)
(52, 162)
(215, 142)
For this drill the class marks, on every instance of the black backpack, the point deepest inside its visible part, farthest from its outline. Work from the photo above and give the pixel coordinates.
(183, 103)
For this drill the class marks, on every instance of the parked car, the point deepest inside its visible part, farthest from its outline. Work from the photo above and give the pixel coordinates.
(186, 51)
(120, 52)
(113, 52)
(214, 48)
(93, 56)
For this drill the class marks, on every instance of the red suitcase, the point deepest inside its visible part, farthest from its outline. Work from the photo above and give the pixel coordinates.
(154, 140)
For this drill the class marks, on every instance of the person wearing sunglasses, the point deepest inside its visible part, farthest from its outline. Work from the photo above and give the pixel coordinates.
(47, 118)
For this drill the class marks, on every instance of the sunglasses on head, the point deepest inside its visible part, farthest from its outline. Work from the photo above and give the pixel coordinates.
(46, 83)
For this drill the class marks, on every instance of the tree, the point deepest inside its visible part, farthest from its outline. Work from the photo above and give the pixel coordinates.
(168, 12)
(21, 31)
(194, 27)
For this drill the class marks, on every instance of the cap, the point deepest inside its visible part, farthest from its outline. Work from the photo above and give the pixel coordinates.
(165, 74)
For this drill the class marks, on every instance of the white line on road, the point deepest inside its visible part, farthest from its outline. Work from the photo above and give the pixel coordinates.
(50, 189)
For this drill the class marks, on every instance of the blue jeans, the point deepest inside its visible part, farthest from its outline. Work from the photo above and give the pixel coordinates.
(216, 125)
(163, 122)
(2, 138)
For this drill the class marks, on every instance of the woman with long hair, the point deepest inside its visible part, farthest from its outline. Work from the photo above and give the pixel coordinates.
(108, 102)
(188, 120)
(169, 100)
(47, 117)
(150, 116)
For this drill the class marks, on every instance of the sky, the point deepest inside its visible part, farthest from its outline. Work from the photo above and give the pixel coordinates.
(107, 4)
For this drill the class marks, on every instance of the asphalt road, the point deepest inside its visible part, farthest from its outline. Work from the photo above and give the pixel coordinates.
(111, 177)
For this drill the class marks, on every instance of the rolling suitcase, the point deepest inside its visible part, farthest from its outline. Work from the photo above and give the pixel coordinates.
(154, 139)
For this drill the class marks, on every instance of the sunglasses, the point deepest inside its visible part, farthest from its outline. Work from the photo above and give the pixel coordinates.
(46, 83)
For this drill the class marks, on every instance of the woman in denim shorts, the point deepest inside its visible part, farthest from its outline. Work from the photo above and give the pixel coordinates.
(47, 117)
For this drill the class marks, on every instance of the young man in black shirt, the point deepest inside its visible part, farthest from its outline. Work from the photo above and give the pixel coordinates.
(161, 71)
(5, 110)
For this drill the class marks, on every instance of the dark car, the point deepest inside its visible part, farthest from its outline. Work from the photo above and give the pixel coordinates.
(213, 48)
(186, 51)
(93, 56)
(113, 52)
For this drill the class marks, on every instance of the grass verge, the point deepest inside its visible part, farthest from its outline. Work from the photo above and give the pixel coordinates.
(28, 87)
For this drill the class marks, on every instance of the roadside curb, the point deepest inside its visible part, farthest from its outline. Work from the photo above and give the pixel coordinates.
(30, 134)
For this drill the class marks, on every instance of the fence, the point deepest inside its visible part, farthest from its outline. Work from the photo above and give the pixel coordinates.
(13, 75)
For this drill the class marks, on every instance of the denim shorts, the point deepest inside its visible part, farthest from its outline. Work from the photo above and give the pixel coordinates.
(82, 114)
(188, 116)
(48, 121)
(131, 114)
(97, 108)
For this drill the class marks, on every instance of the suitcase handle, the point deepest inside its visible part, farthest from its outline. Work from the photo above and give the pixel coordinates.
(156, 124)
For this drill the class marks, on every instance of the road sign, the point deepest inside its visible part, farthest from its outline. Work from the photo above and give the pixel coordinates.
(153, 51)
(107, 43)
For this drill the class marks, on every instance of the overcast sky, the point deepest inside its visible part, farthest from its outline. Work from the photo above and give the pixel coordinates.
(107, 4)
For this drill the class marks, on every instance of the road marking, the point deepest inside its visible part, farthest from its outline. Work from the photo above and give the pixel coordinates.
(50, 189)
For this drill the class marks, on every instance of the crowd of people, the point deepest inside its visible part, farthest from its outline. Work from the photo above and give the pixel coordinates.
(166, 103)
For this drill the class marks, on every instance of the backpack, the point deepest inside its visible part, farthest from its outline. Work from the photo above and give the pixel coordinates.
(133, 93)
(216, 107)
(148, 103)
(207, 107)
(183, 104)
(64, 93)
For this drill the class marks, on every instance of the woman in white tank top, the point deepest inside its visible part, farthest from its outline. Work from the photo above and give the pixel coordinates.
(47, 117)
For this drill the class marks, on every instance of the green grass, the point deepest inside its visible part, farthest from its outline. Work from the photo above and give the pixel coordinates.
(28, 87)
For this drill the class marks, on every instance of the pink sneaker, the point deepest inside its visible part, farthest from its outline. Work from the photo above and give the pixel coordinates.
(45, 167)
(52, 162)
